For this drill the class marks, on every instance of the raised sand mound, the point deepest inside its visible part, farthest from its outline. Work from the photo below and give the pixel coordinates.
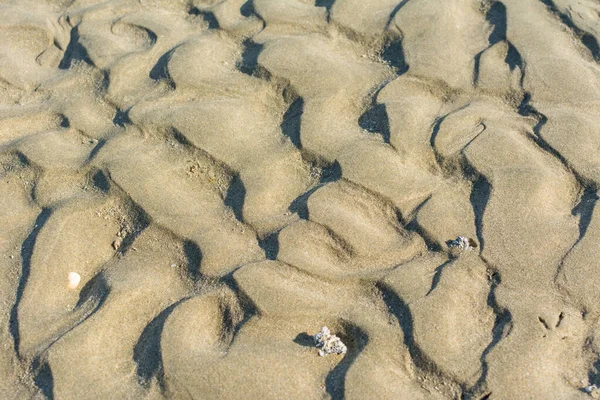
(227, 177)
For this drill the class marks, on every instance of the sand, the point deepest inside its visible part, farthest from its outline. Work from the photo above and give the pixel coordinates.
(229, 176)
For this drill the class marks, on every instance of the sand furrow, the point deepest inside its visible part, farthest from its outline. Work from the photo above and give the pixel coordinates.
(19, 216)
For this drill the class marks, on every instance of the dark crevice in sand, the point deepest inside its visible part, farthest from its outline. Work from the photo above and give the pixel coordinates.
(438, 274)
(588, 40)
(501, 329)
(64, 121)
(193, 256)
(270, 244)
(327, 4)
(414, 226)
(208, 16)
(100, 181)
(246, 303)
(236, 196)
(480, 195)
(160, 71)
(152, 37)
(393, 54)
(329, 173)
(394, 12)
(95, 292)
(496, 16)
(121, 118)
(248, 63)
(183, 140)
(75, 51)
(476, 63)
(247, 10)
(292, 121)
(513, 59)
(411, 225)
(594, 373)
(299, 205)
(426, 368)
(355, 339)
(57, 44)
(147, 351)
(26, 254)
(95, 150)
(43, 378)
(585, 209)
(415, 213)
(435, 129)
(104, 83)
(525, 109)
(401, 311)
(375, 120)
(91, 298)
(230, 322)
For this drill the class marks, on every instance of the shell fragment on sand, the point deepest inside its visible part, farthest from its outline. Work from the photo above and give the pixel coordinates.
(593, 391)
(328, 343)
(463, 243)
(74, 279)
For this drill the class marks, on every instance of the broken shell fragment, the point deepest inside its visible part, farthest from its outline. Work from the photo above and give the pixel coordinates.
(117, 243)
(328, 343)
(592, 390)
(74, 279)
(463, 243)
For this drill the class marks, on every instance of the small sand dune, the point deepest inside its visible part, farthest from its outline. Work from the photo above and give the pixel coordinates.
(226, 177)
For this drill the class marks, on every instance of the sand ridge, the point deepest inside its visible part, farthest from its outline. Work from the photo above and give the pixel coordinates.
(228, 176)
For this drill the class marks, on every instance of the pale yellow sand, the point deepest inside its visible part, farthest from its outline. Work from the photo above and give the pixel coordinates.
(228, 176)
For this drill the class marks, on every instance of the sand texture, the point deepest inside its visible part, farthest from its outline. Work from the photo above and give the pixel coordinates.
(229, 176)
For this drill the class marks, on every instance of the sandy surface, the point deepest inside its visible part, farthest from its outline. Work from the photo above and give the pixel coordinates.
(228, 176)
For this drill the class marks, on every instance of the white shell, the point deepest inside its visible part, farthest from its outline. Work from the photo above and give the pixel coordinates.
(74, 279)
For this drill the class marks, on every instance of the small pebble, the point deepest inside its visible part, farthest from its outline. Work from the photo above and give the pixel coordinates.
(117, 243)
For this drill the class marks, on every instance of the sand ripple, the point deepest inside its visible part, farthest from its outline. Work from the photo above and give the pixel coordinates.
(228, 176)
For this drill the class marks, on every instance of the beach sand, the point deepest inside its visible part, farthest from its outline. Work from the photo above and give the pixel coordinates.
(226, 177)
